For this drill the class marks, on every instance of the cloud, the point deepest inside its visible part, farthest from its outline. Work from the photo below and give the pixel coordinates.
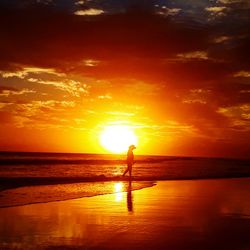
(197, 96)
(89, 12)
(164, 11)
(242, 74)
(34, 107)
(233, 2)
(176, 127)
(75, 88)
(216, 9)
(107, 96)
(80, 2)
(239, 116)
(36, 114)
(91, 63)
(9, 92)
(217, 12)
(222, 39)
(39, 113)
(121, 114)
(3, 88)
(199, 55)
(242, 111)
(25, 71)
(228, 1)
(48, 114)
(112, 45)
(3, 104)
(105, 38)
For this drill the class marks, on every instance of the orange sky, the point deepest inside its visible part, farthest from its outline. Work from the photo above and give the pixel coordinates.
(176, 73)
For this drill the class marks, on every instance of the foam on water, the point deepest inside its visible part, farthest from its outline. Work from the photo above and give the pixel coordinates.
(47, 193)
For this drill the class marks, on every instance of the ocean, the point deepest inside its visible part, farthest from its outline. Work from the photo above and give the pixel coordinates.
(41, 177)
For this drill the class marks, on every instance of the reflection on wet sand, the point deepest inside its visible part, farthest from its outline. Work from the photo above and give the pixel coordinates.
(204, 214)
(129, 197)
(119, 192)
(118, 188)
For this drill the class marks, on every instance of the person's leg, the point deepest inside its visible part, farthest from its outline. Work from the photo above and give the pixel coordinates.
(130, 171)
(125, 171)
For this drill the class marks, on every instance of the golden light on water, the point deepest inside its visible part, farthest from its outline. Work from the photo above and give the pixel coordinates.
(118, 187)
(118, 170)
(117, 138)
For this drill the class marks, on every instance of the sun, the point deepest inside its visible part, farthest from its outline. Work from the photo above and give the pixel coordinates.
(118, 138)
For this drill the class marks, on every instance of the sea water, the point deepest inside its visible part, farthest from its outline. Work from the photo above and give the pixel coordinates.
(42, 177)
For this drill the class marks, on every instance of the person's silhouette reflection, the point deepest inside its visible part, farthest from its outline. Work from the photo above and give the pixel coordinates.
(129, 197)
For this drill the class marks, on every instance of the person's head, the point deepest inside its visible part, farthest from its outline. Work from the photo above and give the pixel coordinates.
(132, 147)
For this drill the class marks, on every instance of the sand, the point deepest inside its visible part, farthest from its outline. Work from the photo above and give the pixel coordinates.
(194, 214)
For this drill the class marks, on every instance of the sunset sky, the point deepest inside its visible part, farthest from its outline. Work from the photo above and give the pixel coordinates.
(175, 72)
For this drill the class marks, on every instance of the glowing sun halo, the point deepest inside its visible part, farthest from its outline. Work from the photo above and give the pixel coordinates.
(118, 138)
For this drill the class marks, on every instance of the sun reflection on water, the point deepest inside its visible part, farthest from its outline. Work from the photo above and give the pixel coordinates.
(118, 187)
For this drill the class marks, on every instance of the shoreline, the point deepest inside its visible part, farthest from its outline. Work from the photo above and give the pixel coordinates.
(7, 183)
(75, 198)
(19, 195)
(29, 195)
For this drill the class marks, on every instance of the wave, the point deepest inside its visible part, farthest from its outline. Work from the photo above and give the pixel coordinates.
(59, 192)
(70, 161)
(26, 158)
(54, 161)
(40, 161)
(13, 182)
(29, 190)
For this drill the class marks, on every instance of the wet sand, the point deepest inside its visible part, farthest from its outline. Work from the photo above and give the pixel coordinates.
(192, 214)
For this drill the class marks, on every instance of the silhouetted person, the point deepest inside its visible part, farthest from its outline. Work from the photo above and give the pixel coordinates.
(129, 197)
(130, 160)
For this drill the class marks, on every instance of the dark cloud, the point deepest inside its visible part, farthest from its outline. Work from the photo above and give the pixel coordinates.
(32, 34)
(3, 88)
(45, 36)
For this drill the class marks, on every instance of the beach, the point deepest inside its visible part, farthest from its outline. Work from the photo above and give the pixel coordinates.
(184, 214)
(124, 125)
